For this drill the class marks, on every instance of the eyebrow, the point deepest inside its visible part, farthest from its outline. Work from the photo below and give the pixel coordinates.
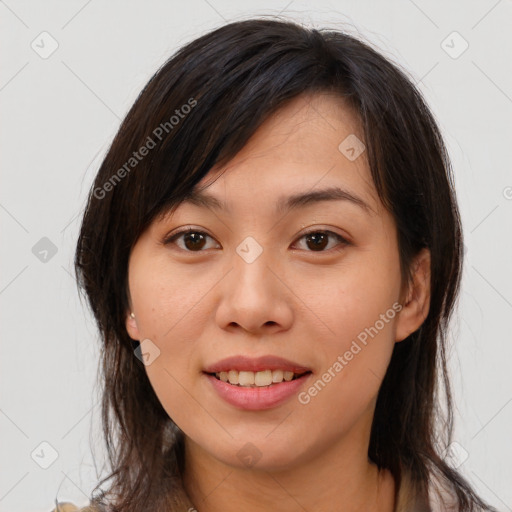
(285, 203)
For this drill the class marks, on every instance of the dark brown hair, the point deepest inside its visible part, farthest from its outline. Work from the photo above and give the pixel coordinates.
(199, 109)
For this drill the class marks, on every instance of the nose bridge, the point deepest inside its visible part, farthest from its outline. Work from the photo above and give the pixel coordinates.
(250, 250)
(251, 265)
(252, 297)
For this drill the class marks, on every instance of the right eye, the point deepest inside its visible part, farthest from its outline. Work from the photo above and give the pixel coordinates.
(192, 240)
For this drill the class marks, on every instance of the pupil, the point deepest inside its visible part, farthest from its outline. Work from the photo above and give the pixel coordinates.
(315, 237)
(194, 238)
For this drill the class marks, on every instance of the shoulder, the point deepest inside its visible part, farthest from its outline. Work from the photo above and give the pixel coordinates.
(407, 498)
(66, 506)
(441, 496)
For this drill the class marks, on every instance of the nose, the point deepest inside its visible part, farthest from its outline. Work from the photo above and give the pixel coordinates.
(255, 297)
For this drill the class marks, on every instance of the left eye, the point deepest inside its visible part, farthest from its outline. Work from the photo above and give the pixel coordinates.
(317, 241)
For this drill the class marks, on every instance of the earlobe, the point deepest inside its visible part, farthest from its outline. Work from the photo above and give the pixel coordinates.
(131, 326)
(417, 303)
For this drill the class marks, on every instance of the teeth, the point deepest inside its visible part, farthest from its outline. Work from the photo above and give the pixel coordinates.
(277, 375)
(263, 378)
(245, 378)
(288, 375)
(255, 379)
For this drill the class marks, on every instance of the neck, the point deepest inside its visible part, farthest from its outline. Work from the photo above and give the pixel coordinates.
(340, 479)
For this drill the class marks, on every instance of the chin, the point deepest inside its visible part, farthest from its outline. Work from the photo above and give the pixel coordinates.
(259, 456)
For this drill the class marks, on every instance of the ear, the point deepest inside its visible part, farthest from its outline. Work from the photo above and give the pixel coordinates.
(131, 326)
(416, 306)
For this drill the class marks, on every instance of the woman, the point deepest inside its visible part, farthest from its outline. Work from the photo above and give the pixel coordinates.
(272, 252)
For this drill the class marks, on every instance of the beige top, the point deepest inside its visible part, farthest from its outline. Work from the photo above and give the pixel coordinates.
(440, 500)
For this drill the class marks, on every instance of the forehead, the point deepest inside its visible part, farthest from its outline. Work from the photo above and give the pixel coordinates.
(297, 155)
(310, 124)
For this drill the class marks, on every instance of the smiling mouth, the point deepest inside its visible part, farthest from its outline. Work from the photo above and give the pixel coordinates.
(261, 379)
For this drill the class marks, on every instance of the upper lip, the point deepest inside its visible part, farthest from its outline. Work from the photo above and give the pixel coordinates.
(255, 364)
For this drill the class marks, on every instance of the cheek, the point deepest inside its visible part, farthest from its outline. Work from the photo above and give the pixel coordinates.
(352, 300)
(169, 300)
(171, 381)
(172, 311)
(355, 316)
(354, 361)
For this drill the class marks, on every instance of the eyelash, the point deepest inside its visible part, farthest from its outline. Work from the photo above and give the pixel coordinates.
(343, 242)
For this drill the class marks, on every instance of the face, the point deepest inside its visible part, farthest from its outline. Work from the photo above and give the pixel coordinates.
(316, 283)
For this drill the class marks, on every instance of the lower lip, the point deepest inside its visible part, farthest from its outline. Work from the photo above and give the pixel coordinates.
(257, 399)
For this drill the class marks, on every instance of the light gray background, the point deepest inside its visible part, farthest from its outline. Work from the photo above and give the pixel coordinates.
(59, 115)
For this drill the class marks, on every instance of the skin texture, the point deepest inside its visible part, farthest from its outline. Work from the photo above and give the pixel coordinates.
(295, 301)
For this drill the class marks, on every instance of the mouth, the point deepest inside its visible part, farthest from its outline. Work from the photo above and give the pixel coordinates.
(260, 379)
(256, 390)
(256, 383)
